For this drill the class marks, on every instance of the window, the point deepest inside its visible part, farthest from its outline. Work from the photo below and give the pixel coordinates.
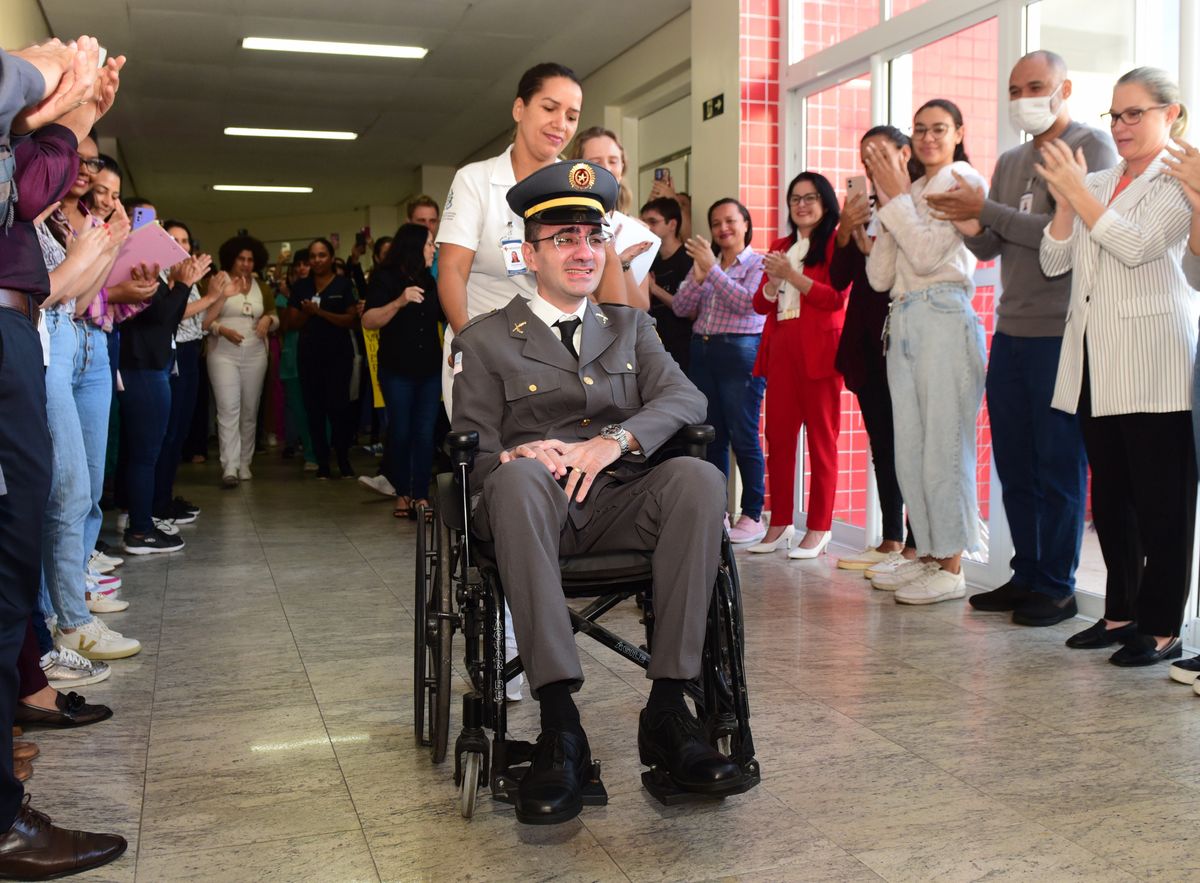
(822, 23)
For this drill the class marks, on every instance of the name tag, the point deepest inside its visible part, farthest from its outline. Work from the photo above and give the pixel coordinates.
(1025, 206)
(247, 309)
(514, 261)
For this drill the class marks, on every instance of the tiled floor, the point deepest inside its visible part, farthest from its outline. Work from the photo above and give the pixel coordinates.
(264, 733)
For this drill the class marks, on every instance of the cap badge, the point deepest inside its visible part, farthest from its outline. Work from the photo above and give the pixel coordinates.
(582, 177)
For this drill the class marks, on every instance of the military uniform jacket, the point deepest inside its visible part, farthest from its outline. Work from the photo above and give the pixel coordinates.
(515, 383)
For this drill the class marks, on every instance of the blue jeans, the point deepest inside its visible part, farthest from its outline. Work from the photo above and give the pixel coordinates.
(412, 406)
(93, 397)
(183, 402)
(1040, 460)
(145, 408)
(935, 365)
(722, 366)
(72, 404)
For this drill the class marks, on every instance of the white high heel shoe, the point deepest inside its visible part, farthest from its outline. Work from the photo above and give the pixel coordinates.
(783, 542)
(815, 551)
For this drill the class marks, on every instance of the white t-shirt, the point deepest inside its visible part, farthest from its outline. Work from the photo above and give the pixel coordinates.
(477, 216)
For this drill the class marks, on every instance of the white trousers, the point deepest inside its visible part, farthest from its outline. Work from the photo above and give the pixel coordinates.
(236, 375)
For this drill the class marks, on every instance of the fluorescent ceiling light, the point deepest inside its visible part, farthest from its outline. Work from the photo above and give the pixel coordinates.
(260, 188)
(325, 47)
(290, 133)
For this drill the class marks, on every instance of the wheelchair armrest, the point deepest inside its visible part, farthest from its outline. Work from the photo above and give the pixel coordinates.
(690, 441)
(461, 447)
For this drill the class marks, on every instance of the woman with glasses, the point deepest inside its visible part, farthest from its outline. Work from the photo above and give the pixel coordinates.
(935, 351)
(402, 303)
(718, 296)
(805, 314)
(1127, 360)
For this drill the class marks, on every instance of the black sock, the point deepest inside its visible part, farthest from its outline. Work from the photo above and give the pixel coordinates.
(558, 708)
(666, 694)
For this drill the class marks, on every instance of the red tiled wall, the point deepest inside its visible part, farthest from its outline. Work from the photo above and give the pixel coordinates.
(826, 22)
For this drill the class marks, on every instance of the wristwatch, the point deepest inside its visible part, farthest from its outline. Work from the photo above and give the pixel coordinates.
(617, 433)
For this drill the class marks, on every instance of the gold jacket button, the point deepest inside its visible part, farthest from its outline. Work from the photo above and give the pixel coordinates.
(533, 387)
(586, 421)
(588, 381)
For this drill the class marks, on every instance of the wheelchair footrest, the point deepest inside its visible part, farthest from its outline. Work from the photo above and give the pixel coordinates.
(666, 792)
(507, 780)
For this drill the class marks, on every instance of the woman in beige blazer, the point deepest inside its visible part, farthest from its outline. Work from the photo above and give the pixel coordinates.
(1127, 360)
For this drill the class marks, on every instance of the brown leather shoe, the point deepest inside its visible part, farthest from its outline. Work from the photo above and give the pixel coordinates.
(23, 770)
(34, 849)
(25, 751)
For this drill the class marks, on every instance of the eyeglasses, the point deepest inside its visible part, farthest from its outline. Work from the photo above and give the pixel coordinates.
(570, 241)
(92, 165)
(1130, 117)
(803, 199)
(938, 130)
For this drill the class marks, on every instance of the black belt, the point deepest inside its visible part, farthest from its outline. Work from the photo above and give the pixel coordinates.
(19, 301)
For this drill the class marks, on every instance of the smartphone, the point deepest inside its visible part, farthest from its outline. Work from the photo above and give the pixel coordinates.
(855, 185)
(142, 215)
(360, 239)
(662, 173)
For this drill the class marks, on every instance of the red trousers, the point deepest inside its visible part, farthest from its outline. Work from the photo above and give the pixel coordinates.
(794, 400)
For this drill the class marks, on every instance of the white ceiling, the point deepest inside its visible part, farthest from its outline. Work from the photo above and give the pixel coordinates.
(188, 77)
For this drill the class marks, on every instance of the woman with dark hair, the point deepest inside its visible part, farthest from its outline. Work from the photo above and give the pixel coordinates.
(402, 304)
(322, 309)
(480, 266)
(935, 351)
(101, 200)
(861, 362)
(805, 313)
(718, 295)
(239, 323)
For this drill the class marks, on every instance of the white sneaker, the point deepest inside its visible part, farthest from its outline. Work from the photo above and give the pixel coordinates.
(906, 572)
(95, 640)
(96, 565)
(887, 565)
(65, 669)
(101, 582)
(244, 473)
(377, 483)
(105, 602)
(934, 585)
(310, 467)
(864, 559)
(167, 526)
(110, 561)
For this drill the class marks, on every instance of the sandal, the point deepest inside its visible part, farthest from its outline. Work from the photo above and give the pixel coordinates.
(403, 508)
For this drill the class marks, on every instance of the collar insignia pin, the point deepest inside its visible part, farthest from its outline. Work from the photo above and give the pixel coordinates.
(519, 328)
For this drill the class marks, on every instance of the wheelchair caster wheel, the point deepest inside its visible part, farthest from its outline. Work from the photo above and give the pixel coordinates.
(472, 763)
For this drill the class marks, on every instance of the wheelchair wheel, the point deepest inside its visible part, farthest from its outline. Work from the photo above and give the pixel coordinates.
(472, 764)
(427, 576)
(441, 630)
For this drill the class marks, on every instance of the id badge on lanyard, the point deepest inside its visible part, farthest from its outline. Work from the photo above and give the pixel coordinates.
(510, 249)
(1025, 206)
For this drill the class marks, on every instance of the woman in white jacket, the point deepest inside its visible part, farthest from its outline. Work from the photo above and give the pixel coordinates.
(1127, 360)
(935, 351)
(237, 357)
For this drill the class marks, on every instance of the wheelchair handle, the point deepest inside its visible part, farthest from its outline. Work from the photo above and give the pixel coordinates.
(461, 446)
(696, 438)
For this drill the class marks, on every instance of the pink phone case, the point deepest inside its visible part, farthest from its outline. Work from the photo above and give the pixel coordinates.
(147, 245)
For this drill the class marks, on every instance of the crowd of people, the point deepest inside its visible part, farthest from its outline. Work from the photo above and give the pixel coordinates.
(1091, 363)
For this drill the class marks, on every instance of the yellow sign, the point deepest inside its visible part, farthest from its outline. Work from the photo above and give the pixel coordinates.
(371, 339)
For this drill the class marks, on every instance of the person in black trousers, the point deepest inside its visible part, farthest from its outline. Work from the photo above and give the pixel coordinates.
(322, 307)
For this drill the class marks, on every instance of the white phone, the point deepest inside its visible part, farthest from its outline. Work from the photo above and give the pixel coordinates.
(856, 184)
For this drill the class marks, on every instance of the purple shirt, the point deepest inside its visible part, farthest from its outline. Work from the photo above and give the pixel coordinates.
(724, 302)
(47, 163)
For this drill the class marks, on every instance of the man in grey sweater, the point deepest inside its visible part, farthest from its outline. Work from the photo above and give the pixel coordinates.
(1039, 451)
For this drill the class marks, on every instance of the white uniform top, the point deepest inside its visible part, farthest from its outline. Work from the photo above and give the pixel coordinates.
(477, 216)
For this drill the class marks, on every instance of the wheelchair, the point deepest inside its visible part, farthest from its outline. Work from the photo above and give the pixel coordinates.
(458, 590)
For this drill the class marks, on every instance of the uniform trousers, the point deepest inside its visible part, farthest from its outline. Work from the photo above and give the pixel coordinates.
(236, 372)
(24, 487)
(674, 511)
(794, 400)
(184, 382)
(325, 381)
(1144, 509)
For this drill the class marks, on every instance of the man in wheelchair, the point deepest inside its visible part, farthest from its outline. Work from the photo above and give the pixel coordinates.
(570, 400)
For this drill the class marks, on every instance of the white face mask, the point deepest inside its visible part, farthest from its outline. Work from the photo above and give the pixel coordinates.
(1034, 115)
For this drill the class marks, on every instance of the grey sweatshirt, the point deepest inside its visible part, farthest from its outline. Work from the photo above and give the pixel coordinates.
(1031, 305)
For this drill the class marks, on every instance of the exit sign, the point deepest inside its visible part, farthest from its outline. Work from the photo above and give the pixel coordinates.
(714, 106)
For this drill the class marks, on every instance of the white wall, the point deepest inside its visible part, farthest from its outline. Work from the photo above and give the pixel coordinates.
(715, 71)
(22, 23)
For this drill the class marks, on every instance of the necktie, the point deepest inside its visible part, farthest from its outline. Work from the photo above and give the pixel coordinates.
(566, 330)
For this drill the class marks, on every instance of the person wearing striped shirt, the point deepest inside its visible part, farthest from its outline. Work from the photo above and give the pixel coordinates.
(718, 295)
(1128, 354)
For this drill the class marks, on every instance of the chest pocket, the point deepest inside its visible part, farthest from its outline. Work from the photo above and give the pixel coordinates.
(530, 398)
(621, 370)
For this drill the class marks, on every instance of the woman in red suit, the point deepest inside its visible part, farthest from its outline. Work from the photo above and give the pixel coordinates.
(805, 314)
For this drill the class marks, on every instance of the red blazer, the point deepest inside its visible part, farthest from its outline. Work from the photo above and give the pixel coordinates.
(822, 315)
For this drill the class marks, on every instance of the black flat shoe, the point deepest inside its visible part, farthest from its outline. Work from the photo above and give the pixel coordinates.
(1042, 610)
(1009, 596)
(1099, 635)
(551, 791)
(1142, 650)
(672, 742)
(72, 711)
